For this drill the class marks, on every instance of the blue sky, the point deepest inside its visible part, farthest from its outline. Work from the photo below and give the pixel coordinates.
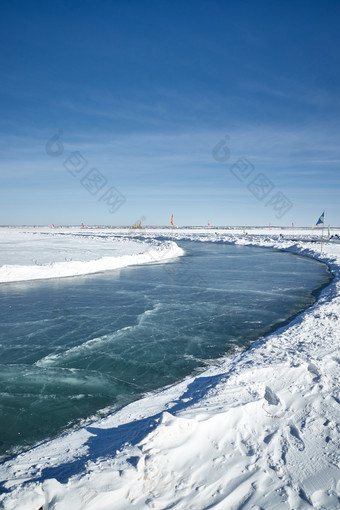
(143, 91)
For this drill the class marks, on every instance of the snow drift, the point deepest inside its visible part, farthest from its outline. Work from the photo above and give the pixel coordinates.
(79, 261)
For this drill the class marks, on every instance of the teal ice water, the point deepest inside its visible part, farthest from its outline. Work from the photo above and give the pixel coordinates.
(77, 348)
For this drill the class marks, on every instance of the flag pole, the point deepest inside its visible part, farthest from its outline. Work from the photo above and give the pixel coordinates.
(323, 225)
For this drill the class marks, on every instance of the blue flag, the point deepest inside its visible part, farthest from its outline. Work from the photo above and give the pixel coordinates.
(321, 219)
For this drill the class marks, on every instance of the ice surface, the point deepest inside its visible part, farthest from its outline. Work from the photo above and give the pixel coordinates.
(259, 431)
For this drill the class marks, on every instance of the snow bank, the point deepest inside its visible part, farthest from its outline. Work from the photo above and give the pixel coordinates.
(259, 431)
(58, 255)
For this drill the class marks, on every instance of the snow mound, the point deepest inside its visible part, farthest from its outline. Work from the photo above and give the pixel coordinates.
(58, 257)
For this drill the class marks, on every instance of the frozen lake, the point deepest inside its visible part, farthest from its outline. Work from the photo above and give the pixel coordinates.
(76, 348)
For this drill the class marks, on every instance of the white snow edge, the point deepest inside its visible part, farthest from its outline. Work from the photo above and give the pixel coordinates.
(15, 273)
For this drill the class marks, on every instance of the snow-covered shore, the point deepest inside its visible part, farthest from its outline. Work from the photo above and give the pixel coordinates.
(52, 254)
(261, 430)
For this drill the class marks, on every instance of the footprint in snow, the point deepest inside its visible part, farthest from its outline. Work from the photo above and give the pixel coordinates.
(271, 397)
(294, 438)
(312, 369)
(272, 404)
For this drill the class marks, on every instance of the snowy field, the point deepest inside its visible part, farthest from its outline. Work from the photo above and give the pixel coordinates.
(37, 254)
(259, 431)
